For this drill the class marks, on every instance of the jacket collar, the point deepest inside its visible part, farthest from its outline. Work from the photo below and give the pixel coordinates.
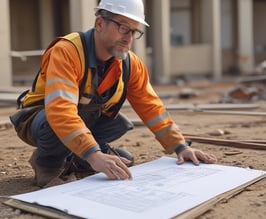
(89, 36)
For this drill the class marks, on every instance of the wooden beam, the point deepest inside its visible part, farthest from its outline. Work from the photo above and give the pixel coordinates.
(39, 209)
(221, 106)
(231, 112)
(225, 142)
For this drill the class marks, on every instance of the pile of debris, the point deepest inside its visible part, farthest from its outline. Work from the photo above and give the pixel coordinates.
(248, 89)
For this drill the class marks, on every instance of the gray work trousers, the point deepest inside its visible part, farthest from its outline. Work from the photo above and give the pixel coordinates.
(52, 153)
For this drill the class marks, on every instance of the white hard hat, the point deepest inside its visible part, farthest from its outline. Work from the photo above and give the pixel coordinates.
(132, 9)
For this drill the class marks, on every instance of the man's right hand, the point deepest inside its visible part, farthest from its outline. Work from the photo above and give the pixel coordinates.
(113, 166)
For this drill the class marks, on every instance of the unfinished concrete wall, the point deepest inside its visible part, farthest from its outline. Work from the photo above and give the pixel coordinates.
(5, 62)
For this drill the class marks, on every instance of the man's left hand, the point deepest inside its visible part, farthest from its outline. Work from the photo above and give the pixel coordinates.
(195, 155)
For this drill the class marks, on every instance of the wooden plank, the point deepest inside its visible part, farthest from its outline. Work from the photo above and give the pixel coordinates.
(201, 107)
(255, 141)
(241, 140)
(221, 106)
(9, 97)
(225, 142)
(249, 79)
(137, 122)
(13, 89)
(39, 210)
(9, 94)
(243, 113)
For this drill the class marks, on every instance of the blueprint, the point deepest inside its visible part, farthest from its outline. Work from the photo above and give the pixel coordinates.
(159, 189)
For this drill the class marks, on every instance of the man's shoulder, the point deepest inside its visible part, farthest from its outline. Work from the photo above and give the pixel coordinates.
(134, 57)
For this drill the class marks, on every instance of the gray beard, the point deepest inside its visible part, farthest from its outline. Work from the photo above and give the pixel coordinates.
(118, 54)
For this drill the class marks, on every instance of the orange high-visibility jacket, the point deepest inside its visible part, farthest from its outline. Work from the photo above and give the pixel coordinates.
(62, 70)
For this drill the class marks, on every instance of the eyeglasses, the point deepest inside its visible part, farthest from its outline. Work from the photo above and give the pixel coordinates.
(124, 29)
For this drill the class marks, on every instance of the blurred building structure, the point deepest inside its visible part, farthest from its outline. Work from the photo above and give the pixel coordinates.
(186, 37)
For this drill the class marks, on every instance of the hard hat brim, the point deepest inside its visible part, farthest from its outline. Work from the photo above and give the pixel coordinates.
(140, 20)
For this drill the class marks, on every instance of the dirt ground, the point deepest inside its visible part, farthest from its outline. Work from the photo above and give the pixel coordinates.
(16, 175)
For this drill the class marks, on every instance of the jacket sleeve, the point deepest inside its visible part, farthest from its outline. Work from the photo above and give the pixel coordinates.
(62, 71)
(150, 108)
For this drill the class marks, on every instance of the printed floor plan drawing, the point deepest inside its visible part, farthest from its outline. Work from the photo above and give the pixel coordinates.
(159, 189)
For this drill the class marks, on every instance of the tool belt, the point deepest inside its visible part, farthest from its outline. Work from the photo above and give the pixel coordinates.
(22, 121)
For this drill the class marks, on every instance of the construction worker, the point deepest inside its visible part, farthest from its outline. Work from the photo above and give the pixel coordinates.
(72, 112)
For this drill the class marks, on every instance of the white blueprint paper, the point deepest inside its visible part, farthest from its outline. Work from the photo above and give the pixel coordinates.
(159, 189)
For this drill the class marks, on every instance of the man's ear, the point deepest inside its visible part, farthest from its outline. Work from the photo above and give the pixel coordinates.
(99, 22)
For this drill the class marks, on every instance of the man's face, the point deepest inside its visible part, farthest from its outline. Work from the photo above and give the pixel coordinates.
(115, 42)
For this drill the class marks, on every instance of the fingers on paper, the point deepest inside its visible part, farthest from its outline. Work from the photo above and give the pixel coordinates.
(206, 158)
(118, 170)
(196, 156)
(180, 160)
(187, 154)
